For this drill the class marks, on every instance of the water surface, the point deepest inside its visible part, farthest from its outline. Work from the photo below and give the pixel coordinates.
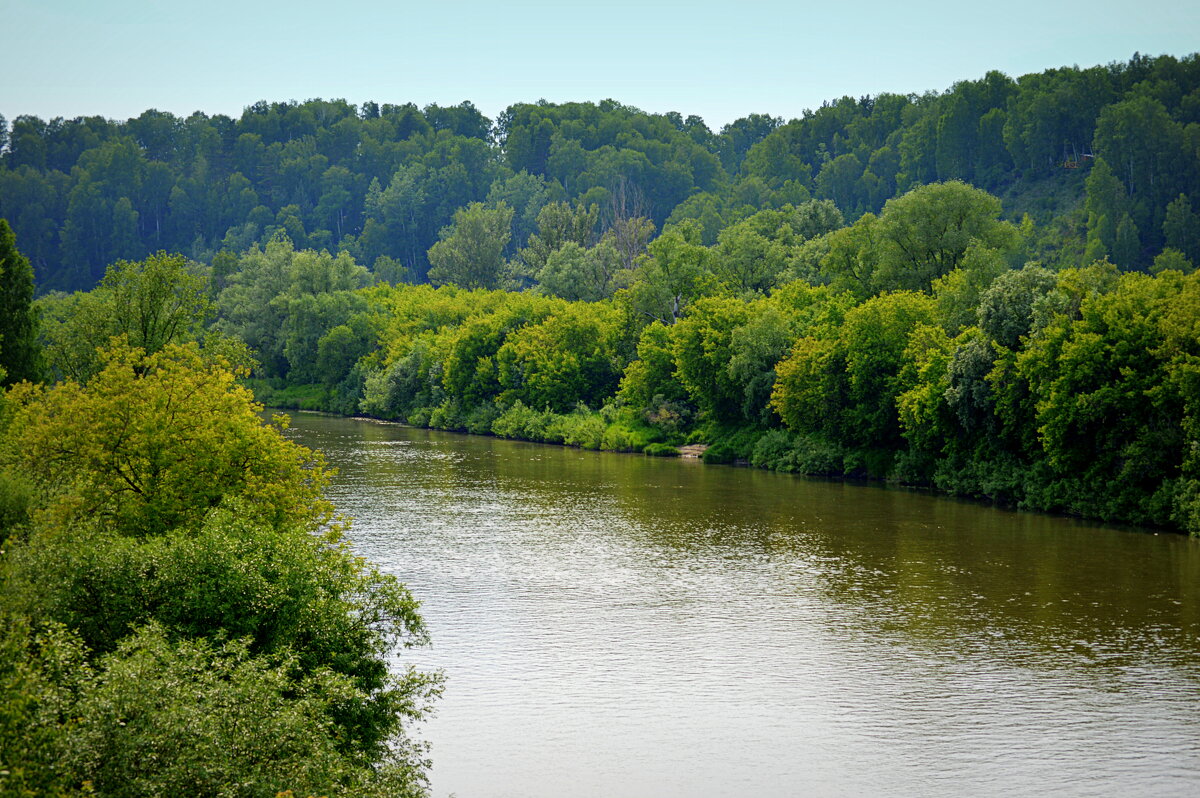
(616, 625)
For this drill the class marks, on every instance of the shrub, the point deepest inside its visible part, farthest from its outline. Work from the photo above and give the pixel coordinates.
(780, 450)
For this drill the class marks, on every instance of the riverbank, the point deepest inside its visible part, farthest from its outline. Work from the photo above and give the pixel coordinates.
(774, 450)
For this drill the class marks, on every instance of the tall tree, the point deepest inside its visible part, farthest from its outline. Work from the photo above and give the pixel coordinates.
(471, 252)
(19, 351)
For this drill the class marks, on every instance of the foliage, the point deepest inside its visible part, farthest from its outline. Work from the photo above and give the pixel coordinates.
(181, 608)
(20, 357)
(151, 304)
(470, 252)
(190, 443)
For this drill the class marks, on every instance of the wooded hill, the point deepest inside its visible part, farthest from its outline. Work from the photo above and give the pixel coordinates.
(383, 180)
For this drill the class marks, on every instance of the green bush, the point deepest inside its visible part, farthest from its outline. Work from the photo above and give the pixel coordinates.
(521, 423)
(479, 419)
(720, 453)
(583, 428)
(283, 590)
(622, 437)
(447, 416)
(660, 450)
(15, 497)
(780, 450)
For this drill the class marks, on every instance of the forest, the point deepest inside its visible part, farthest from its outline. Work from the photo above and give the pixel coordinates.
(382, 181)
(989, 292)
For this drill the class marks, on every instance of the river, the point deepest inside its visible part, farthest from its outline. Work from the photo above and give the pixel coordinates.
(618, 625)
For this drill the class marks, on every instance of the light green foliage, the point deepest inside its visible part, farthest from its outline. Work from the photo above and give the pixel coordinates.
(164, 717)
(219, 630)
(581, 427)
(1072, 288)
(169, 439)
(875, 337)
(748, 261)
(753, 255)
(566, 359)
(652, 373)
(282, 302)
(702, 343)
(152, 303)
(470, 373)
(577, 274)
(1171, 259)
(843, 385)
(922, 406)
(558, 224)
(810, 387)
(41, 668)
(959, 292)
(675, 272)
(470, 252)
(851, 257)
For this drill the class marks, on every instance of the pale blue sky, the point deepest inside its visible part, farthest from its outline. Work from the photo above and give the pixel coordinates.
(722, 60)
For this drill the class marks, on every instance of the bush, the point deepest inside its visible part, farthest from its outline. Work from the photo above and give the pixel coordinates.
(447, 416)
(660, 450)
(622, 437)
(201, 627)
(479, 419)
(583, 428)
(780, 450)
(720, 453)
(194, 718)
(522, 423)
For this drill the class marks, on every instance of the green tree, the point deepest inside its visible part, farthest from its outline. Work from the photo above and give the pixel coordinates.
(579, 274)
(470, 253)
(558, 224)
(926, 233)
(748, 261)
(20, 356)
(1181, 228)
(170, 439)
(567, 359)
(672, 274)
(225, 631)
(703, 341)
(153, 303)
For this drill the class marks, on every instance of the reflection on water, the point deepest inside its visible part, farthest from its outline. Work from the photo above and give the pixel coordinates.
(614, 625)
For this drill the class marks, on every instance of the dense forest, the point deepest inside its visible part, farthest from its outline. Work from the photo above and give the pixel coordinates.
(988, 291)
(381, 181)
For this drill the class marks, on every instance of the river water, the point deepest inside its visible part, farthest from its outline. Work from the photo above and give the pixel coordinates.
(618, 625)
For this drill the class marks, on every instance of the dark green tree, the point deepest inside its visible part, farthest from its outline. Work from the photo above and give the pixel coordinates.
(20, 357)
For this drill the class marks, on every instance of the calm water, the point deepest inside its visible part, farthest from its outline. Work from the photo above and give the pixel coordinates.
(615, 625)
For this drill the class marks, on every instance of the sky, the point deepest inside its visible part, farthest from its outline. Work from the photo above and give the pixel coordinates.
(721, 61)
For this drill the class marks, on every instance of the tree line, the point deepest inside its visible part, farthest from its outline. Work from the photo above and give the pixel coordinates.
(381, 181)
(927, 345)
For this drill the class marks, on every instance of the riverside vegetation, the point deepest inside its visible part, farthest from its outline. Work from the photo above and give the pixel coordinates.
(990, 291)
(179, 610)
